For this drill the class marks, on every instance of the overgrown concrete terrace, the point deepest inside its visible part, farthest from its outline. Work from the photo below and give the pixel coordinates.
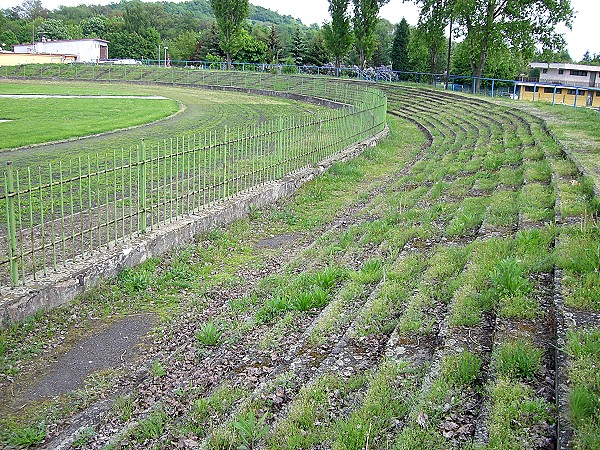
(438, 291)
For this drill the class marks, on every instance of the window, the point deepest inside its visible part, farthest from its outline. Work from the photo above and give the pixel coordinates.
(548, 90)
(561, 71)
(597, 93)
(528, 88)
(544, 70)
(579, 73)
(559, 91)
(574, 92)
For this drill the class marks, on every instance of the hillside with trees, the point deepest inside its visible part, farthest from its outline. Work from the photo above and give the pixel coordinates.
(500, 46)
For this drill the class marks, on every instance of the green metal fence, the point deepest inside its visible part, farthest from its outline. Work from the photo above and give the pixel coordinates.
(62, 213)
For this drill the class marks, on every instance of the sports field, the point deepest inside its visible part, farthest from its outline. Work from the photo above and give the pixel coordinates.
(41, 120)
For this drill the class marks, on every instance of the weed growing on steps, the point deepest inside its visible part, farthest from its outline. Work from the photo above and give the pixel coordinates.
(207, 412)
(24, 436)
(307, 300)
(538, 203)
(518, 359)
(152, 427)
(384, 402)
(250, 430)
(158, 369)
(577, 198)
(371, 272)
(83, 437)
(515, 414)
(309, 414)
(583, 350)
(507, 279)
(123, 408)
(461, 369)
(578, 254)
(209, 334)
(504, 209)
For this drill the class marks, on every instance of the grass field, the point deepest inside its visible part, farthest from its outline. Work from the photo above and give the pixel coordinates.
(204, 110)
(35, 121)
(416, 297)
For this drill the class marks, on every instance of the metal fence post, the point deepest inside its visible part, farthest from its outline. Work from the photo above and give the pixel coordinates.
(280, 149)
(225, 147)
(11, 225)
(142, 186)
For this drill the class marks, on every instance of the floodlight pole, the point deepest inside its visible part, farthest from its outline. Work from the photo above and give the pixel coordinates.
(166, 48)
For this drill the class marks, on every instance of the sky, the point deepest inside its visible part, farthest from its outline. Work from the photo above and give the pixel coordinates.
(579, 40)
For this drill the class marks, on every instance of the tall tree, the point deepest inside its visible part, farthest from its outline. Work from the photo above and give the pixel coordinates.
(338, 38)
(230, 15)
(364, 23)
(399, 55)
(32, 9)
(298, 51)
(317, 54)
(136, 17)
(487, 23)
(384, 35)
(430, 31)
(274, 45)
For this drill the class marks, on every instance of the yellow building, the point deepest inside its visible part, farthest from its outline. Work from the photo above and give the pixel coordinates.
(559, 94)
(15, 59)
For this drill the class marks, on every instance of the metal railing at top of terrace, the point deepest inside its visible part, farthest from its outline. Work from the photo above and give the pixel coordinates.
(491, 87)
(66, 212)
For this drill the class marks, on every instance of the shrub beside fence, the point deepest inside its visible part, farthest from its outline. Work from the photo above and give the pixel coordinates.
(57, 214)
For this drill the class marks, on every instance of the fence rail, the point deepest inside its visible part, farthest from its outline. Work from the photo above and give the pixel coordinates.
(60, 213)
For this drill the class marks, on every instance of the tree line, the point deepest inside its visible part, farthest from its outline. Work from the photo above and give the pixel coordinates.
(483, 38)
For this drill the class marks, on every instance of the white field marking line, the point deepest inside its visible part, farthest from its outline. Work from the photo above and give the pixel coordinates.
(143, 97)
(5, 120)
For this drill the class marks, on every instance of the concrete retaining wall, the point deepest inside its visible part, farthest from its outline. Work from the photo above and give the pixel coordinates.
(61, 287)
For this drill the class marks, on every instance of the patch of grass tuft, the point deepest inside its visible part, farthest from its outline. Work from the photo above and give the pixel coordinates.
(461, 369)
(209, 333)
(518, 359)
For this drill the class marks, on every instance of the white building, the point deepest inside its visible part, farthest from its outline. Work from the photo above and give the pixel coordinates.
(86, 50)
(568, 74)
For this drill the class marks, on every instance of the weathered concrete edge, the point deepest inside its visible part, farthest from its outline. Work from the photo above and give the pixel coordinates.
(60, 288)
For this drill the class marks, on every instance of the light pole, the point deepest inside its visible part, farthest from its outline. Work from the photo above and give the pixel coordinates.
(166, 48)
(158, 55)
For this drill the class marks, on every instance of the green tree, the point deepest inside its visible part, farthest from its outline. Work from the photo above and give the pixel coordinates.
(550, 56)
(230, 15)
(317, 53)
(430, 31)
(399, 54)
(485, 24)
(298, 51)
(274, 45)
(208, 44)
(251, 49)
(53, 29)
(384, 34)
(183, 46)
(32, 9)
(8, 39)
(94, 27)
(136, 18)
(337, 35)
(364, 24)
(124, 44)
